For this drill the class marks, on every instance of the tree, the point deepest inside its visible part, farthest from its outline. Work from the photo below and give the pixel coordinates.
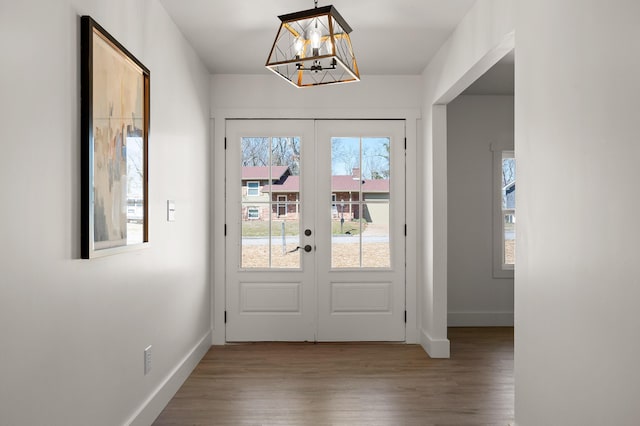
(277, 151)
(345, 156)
(508, 171)
(370, 155)
(255, 152)
(286, 152)
(376, 158)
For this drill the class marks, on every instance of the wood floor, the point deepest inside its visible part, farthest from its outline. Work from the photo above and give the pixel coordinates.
(351, 384)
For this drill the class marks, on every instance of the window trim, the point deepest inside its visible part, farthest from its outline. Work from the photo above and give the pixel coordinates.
(500, 269)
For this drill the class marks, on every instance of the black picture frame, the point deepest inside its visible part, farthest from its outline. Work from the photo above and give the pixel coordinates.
(115, 91)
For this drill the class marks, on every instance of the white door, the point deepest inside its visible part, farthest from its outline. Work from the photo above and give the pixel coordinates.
(360, 257)
(315, 230)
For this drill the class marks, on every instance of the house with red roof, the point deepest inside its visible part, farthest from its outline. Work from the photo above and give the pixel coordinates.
(274, 189)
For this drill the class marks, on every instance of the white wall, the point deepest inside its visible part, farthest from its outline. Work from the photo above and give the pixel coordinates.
(254, 92)
(474, 124)
(269, 96)
(577, 282)
(72, 332)
(480, 40)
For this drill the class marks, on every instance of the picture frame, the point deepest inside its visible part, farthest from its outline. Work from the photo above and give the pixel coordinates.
(115, 89)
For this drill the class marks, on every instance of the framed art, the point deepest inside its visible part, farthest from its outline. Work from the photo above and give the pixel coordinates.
(115, 140)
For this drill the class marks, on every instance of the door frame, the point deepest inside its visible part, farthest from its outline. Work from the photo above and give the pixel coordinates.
(217, 231)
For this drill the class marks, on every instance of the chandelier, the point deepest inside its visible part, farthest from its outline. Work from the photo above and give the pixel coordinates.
(313, 48)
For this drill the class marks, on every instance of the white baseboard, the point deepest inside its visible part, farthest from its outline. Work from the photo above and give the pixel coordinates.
(480, 319)
(156, 402)
(435, 348)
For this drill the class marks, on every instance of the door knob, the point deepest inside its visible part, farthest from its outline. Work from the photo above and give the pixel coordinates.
(307, 248)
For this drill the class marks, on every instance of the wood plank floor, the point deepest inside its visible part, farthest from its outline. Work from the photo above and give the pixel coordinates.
(351, 384)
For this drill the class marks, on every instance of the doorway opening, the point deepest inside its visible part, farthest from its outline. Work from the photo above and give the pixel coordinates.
(481, 210)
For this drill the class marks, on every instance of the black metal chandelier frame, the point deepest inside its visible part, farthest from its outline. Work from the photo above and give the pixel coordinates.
(313, 48)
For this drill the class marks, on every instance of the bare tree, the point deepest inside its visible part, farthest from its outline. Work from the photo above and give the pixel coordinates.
(376, 159)
(345, 156)
(255, 152)
(286, 152)
(279, 151)
(508, 171)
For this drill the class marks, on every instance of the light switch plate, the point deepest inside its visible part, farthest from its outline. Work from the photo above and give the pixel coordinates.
(171, 211)
(147, 360)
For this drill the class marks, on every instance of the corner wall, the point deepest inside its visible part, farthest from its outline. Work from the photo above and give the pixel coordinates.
(73, 331)
(577, 283)
(475, 124)
(483, 37)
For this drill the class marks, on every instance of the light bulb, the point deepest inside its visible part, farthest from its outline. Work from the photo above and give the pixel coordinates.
(315, 35)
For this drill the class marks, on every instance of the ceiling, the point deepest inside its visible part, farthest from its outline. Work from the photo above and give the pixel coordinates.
(389, 37)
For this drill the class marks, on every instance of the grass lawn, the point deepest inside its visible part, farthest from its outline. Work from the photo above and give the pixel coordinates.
(260, 228)
(350, 226)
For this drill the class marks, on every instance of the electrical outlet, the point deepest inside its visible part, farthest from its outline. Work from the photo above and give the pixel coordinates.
(147, 360)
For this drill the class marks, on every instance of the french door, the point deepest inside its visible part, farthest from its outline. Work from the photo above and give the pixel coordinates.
(315, 230)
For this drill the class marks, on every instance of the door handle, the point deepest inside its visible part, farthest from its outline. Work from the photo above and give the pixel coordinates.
(306, 248)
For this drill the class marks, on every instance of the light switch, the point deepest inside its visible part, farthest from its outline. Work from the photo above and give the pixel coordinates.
(171, 211)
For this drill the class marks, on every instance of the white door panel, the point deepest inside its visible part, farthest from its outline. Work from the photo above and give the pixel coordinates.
(361, 270)
(270, 292)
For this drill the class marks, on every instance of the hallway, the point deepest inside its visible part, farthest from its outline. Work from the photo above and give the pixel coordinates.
(351, 384)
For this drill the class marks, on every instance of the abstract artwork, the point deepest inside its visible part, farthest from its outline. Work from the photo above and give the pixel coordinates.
(114, 136)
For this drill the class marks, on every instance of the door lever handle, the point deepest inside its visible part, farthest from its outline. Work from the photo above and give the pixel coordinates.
(306, 248)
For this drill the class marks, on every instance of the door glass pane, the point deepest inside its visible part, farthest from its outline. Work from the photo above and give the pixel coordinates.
(376, 171)
(270, 202)
(360, 171)
(375, 162)
(345, 238)
(376, 252)
(285, 238)
(255, 235)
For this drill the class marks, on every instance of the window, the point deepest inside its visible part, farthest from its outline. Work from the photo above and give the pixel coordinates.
(282, 205)
(253, 189)
(504, 214)
(508, 198)
(253, 213)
